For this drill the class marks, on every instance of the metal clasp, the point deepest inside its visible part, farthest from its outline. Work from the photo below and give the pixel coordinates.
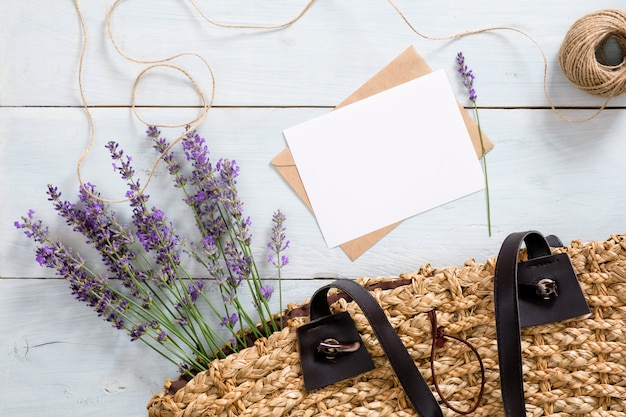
(547, 289)
(331, 348)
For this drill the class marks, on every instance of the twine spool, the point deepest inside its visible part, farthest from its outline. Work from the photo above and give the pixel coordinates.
(582, 55)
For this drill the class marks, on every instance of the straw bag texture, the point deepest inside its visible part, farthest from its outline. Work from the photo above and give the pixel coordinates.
(572, 368)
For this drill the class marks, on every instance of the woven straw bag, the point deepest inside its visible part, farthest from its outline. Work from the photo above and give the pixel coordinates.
(571, 368)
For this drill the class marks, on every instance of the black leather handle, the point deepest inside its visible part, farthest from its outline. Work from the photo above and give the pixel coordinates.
(409, 376)
(507, 316)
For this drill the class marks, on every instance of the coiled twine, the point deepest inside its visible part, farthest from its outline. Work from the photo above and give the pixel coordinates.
(582, 54)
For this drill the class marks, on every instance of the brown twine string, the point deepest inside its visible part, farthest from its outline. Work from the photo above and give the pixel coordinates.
(90, 122)
(252, 26)
(598, 20)
(153, 64)
(439, 340)
(577, 58)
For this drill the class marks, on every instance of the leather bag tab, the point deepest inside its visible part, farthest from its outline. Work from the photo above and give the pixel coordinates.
(319, 370)
(569, 301)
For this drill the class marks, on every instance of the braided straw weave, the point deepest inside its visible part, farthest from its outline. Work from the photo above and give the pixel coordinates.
(576, 368)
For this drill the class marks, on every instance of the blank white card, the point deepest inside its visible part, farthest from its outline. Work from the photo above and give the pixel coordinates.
(385, 158)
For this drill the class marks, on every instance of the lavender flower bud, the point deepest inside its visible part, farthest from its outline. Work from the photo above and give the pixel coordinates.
(161, 336)
(229, 322)
(266, 292)
(278, 242)
(467, 77)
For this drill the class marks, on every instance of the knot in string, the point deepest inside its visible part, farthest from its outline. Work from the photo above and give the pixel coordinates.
(439, 340)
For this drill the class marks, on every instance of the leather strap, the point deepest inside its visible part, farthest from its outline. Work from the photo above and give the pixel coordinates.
(507, 316)
(409, 376)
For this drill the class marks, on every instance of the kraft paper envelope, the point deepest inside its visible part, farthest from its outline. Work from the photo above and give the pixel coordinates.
(406, 67)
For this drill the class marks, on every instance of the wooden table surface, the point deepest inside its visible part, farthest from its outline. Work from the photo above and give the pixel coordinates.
(57, 358)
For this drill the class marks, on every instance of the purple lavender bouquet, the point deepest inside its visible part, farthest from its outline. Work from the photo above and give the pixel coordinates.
(146, 289)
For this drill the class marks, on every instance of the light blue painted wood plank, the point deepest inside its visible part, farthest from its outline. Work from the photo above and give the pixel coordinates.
(60, 360)
(317, 61)
(544, 173)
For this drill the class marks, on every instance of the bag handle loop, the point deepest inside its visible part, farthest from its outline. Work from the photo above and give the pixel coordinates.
(409, 376)
(507, 316)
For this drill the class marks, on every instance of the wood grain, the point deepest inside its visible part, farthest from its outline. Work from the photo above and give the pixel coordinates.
(59, 359)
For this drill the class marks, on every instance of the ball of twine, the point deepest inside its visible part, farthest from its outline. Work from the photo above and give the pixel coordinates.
(582, 57)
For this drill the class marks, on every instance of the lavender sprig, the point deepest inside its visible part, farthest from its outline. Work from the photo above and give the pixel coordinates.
(278, 245)
(467, 77)
(210, 190)
(97, 292)
(146, 289)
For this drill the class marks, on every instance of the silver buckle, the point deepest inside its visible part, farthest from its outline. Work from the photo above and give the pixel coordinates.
(331, 348)
(547, 289)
